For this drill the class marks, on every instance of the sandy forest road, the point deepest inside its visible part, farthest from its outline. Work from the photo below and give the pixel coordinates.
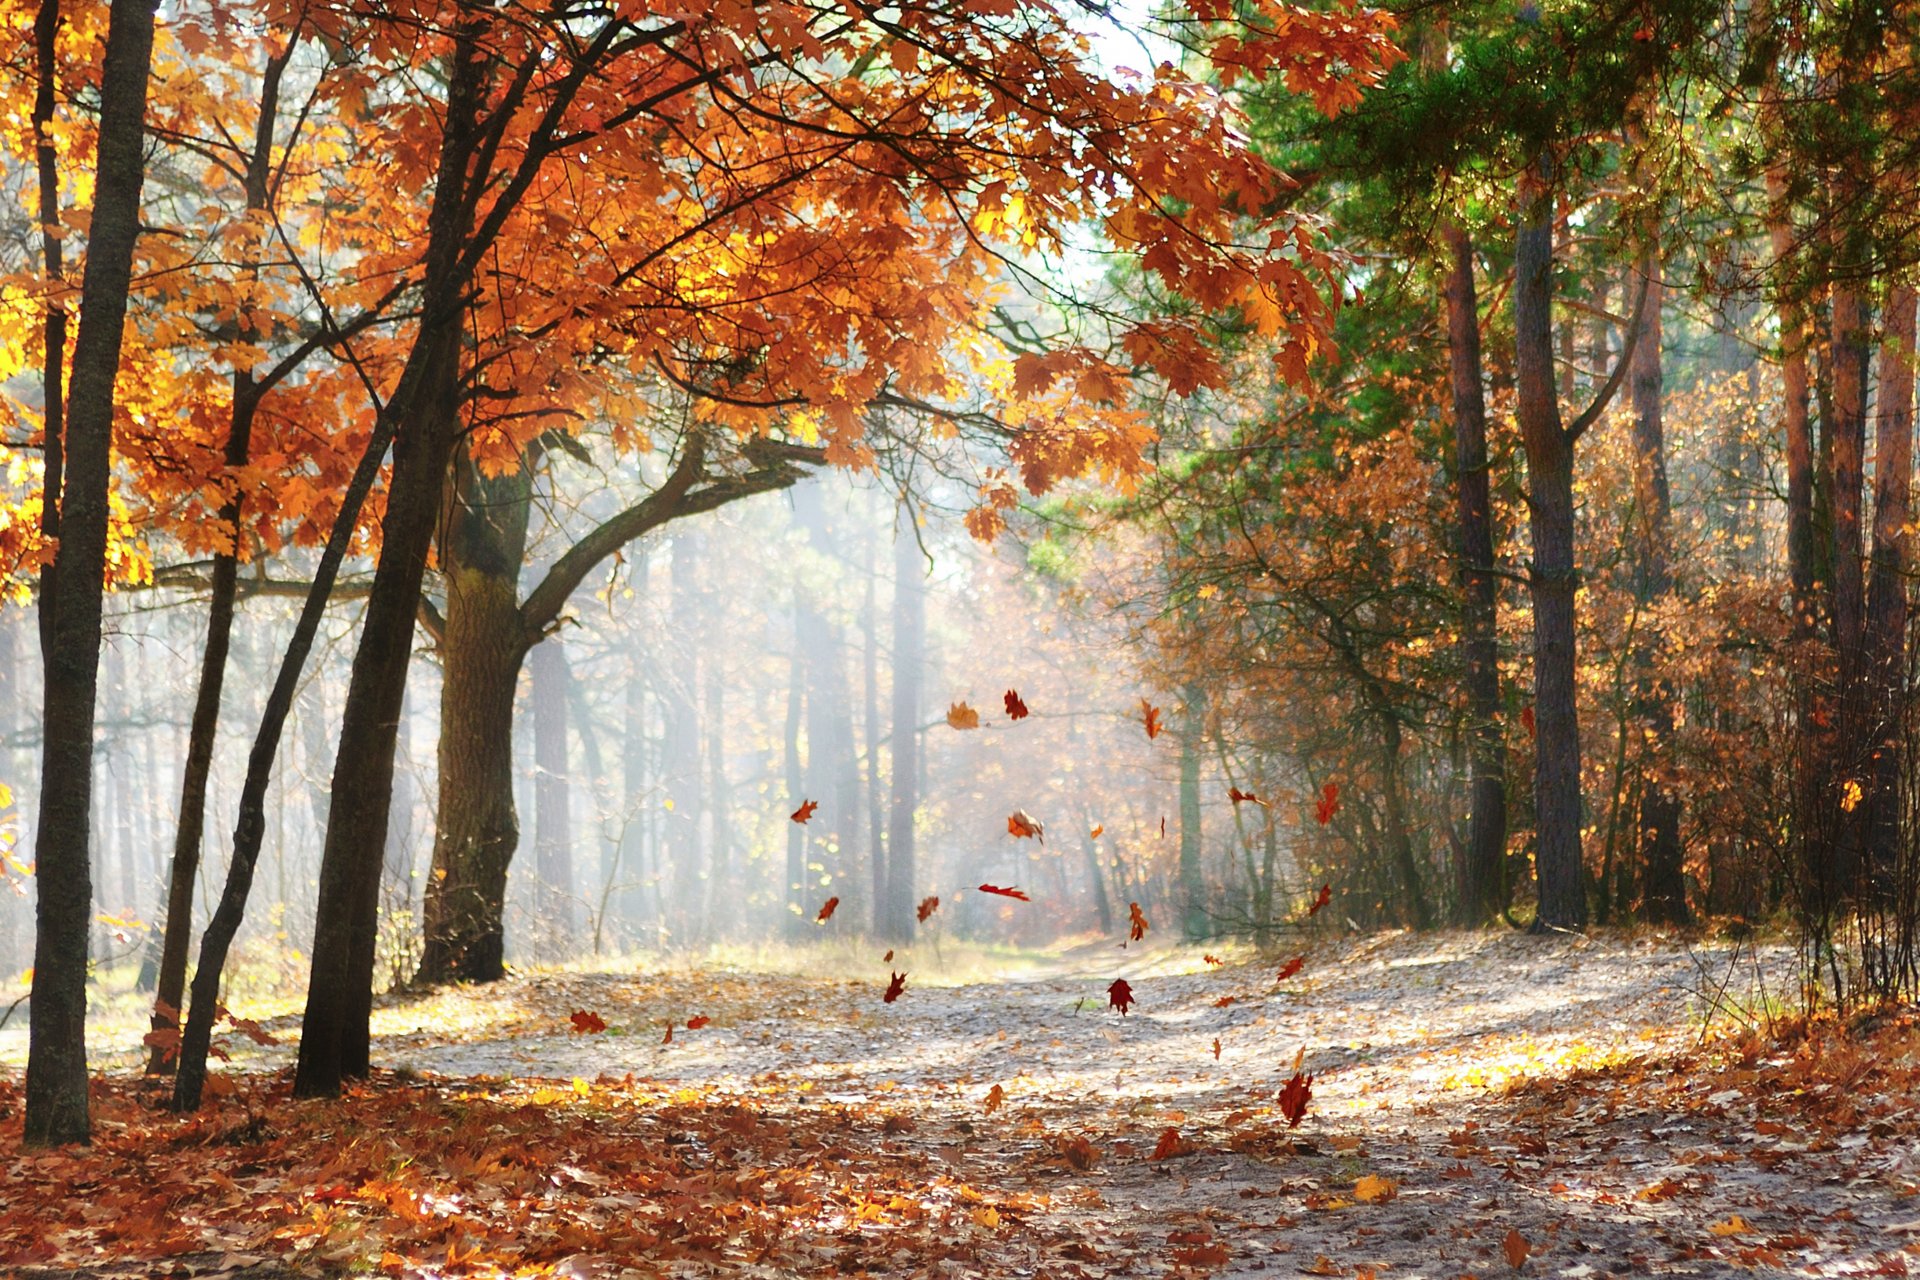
(1415, 1044)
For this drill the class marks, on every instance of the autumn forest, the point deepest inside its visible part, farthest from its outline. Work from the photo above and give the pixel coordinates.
(972, 638)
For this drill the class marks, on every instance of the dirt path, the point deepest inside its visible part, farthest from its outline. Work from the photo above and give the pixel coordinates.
(1476, 1099)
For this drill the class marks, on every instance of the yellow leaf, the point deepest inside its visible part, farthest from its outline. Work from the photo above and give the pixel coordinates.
(1374, 1189)
(1731, 1227)
(988, 1217)
(581, 1087)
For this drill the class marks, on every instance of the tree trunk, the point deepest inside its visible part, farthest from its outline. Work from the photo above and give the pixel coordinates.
(1887, 608)
(798, 881)
(482, 645)
(685, 782)
(904, 746)
(720, 887)
(552, 796)
(1851, 765)
(1196, 921)
(1483, 866)
(870, 688)
(1663, 875)
(1406, 867)
(56, 1084)
(1549, 449)
(53, 329)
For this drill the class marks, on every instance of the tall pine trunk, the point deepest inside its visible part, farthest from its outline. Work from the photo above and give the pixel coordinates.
(56, 1084)
(1482, 877)
(1837, 865)
(1887, 605)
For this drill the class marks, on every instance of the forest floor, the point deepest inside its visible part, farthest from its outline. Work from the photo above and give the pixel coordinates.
(1482, 1105)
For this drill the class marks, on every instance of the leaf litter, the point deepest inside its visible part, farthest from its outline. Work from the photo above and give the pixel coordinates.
(1481, 1105)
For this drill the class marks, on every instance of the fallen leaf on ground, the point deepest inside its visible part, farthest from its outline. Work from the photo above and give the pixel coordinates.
(587, 1023)
(995, 1097)
(1371, 1188)
(1516, 1247)
(1171, 1144)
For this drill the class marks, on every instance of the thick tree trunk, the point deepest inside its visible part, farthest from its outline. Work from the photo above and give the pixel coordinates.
(1663, 876)
(552, 796)
(1549, 449)
(1196, 920)
(483, 643)
(56, 1084)
(1887, 607)
(1850, 769)
(1482, 873)
(904, 746)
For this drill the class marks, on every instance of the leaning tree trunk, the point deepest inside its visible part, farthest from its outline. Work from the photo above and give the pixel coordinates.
(1482, 876)
(56, 1085)
(482, 645)
(1664, 886)
(1549, 449)
(903, 743)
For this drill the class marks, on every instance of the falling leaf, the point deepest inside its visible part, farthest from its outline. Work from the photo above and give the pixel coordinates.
(896, 985)
(1290, 968)
(805, 810)
(827, 909)
(928, 905)
(995, 1097)
(669, 1036)
(694, 1024)
(962, 716)
(1212, 960)
(1325, 896)
(1137, 924)
(1329, 803)
(1016, 709)
(1150, 716)
(1238, 796)
(1163, 826)
(1731, 1227)
(1373, 1189)
(1171, 1144)
(588, 1023)
(1005, 893)
(1095, 833)
(1516, 1248)
(1216, 1048)
(1850, 796)
(1294, 1096)
(887, 958)
(166, 1040)
(1020, 825)
(1120, 995)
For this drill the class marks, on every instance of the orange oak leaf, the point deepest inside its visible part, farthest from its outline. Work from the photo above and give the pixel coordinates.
(995, 1097)
(588, 1023)
(1329, 803)
(962, 716)
(1005, 893)
(695, 1023)
(1095, 833)
(805, 810)
(1213, 1253)
(1137, 922)
(1320, 900)
(1016, 709)
(1290, 968)
(895, 985)
(1019, 824)
(1517, 1247)
(1150, 717)
(1120, 995)
(1213, 961)
(1224, 1001)
(1171, 1144)
(1294, 1096)
(928, 905)
(827, 909)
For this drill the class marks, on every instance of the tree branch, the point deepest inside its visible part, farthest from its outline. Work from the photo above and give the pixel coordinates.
(1579, 425)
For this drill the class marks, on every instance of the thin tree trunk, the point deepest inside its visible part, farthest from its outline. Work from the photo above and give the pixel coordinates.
(870, 687)
(904, 745)
(1664, 899)
(1887, 606)
(720, 889)
(53, 330)
(686, 783)
(56, 1084)
(552, 794)
(797, 878)
(1549, 449)
(1482, 870)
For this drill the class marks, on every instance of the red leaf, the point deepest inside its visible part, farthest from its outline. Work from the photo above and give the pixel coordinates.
(1019, 824)
(1294, 1096)
(1016, 709)
(1005, 893)
(1329, 803)
(1325, 896)
(894, 988)
(1213, 960)
(166, 1040)
(1290, 968)
(694, 1024)
(1150, 715)
(927, 907)
(827, 909)
(1236, 795)
(1526, 719)
(1138, 922)
(1120, 995)
(669, 1036)
(805, 810)
(588, 1023)
(1171, 1144)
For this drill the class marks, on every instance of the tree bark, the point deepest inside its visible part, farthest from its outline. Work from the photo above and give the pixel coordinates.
(1549, 449)
(53, 329)
(904, 745)
(482, 645)
(1887, 606)
(56, 1083)
(1839, 862)
(1482, 887)
(1663, 875)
